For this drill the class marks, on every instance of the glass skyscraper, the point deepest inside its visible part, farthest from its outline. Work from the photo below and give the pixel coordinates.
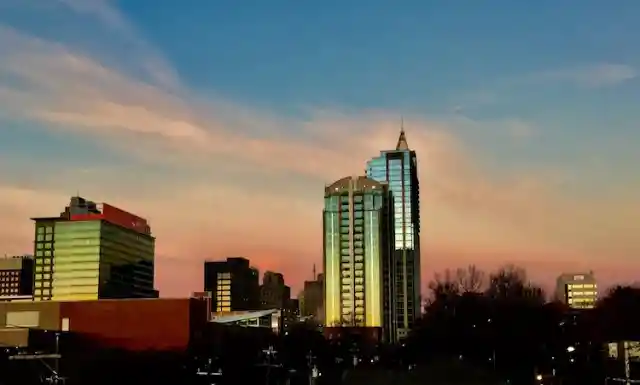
(400, 170)
(357, 254)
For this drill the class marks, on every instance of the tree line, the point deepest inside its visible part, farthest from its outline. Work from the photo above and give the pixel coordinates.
(504, 322)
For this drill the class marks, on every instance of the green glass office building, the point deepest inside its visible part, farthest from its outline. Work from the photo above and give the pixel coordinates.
(94, 253)
(357, 251)
(399, 168)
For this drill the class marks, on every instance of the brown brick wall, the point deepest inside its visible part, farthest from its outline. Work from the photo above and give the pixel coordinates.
(148, 324)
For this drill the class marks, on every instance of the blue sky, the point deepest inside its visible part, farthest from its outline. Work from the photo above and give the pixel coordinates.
(513, 105)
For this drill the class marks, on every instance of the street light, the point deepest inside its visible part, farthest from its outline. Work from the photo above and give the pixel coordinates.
(571, 349)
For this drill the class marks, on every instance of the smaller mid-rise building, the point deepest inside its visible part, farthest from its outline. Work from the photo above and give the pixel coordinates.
(312, 299)
(577, 290)
(93, 251)
(234, 285)
(274, 294)
(16, 278)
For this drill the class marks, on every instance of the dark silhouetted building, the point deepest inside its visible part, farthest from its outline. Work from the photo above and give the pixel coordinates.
(311, 299)
(16, 277)
(399, 168)
(93, 251)
(274, 294)
(234, 285)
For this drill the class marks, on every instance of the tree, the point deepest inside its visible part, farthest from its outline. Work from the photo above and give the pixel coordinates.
(444, 286)
(510, 282)
(470, 280)
(451, 284)
(617, 313)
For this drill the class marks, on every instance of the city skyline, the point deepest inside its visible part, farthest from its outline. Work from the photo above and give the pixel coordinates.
(221, 127)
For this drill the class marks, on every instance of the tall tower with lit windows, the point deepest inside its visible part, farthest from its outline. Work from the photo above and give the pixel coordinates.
(357, 255)
(399, 169)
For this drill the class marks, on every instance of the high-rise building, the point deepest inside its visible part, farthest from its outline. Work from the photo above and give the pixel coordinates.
(357, 255)
(234, 285)
(93, 251)
(399, 168)
(578, 290)
(16, 277)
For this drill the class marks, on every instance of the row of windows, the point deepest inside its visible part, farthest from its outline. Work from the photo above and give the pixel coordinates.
(71, 290)
(44, 230)
(582, 286)
(582, 293)
(44, 237)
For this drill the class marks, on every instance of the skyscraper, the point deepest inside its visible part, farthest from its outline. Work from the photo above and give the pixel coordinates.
(399, 168)
(92, 251)
(357, 251)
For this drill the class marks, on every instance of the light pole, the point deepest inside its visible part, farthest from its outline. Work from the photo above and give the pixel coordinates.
(54, 376)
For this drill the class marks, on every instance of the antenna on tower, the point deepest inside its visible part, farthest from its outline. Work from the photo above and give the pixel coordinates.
(314, 271)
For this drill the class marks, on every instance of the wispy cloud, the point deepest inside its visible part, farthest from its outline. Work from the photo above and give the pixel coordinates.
(590, 76)
(112, 18)
(217, 178)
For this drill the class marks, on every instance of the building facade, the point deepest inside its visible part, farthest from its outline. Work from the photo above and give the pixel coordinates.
(357, 255)
(312, 299)
(131, 324)
(234, 285)
(16, 277)
(274, 294)
(399, 168)
(93, 251)
(577, 290)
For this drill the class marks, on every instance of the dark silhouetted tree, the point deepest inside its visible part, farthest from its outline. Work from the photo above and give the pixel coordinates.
(470, 280)
(444, 286)
(618, 314)
(510, 283)
(501, 322)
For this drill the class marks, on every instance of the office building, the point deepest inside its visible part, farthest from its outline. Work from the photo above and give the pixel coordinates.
(93, 251)
(399, 168)
(312, 298)
(234, 285)
(274, 294)
(577, 290)
(16, 278)
(357, 255)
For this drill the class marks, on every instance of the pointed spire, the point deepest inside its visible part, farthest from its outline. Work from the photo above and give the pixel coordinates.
(402, 140)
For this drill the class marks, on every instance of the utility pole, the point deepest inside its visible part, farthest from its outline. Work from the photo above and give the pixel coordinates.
(54, 377)
(313, 369)
(627, 368)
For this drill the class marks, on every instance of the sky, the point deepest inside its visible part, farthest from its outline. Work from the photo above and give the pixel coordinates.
(222, 121)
